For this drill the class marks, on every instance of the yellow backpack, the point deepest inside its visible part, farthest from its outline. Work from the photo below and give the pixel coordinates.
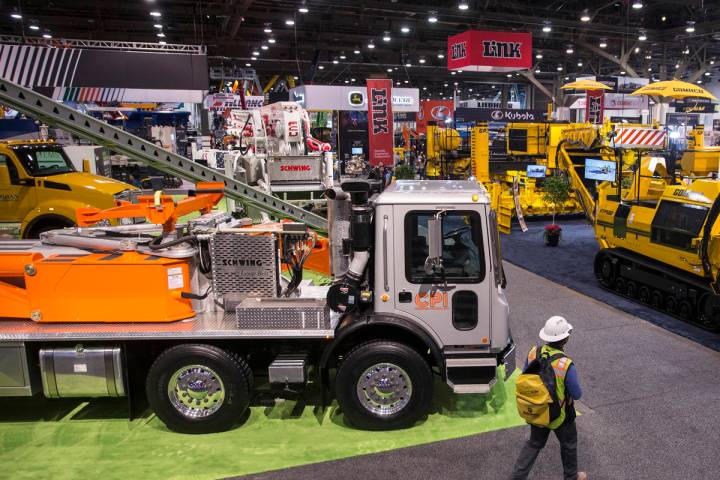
(536, 391)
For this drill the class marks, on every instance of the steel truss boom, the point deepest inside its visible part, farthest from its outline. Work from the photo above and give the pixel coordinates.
(61, 116)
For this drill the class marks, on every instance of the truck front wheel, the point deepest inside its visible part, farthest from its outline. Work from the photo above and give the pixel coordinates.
(199, 388)
(384, 385)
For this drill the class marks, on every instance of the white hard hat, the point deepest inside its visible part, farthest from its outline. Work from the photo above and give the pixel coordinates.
(556, 328)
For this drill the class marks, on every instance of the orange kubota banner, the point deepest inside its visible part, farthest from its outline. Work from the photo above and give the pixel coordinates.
(380, 121)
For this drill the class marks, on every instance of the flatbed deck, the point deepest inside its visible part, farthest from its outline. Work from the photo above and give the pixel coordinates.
(215, 325)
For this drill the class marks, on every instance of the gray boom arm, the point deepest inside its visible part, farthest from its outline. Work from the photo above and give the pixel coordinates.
(61, 116)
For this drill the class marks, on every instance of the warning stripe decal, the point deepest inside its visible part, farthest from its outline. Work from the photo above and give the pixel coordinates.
(640, 136)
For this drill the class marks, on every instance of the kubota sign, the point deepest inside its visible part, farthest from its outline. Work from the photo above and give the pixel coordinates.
(484, 51)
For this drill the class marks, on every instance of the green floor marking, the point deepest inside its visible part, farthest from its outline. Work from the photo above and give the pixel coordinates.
(99, 442)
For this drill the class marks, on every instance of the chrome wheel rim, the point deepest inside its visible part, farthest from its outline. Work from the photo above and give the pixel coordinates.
(384, 389)
(196, 391)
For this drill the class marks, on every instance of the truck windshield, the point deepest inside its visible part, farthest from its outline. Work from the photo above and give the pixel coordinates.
(43, 161)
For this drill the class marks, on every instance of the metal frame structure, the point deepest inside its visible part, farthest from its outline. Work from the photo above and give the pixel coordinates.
(105, 44)
(61, 116)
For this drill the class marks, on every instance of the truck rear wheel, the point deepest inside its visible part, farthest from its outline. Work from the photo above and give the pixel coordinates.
(384, 385)
(199, 388)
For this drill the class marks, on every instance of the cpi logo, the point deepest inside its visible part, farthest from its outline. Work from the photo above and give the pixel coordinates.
(440, 112)
(431, 301)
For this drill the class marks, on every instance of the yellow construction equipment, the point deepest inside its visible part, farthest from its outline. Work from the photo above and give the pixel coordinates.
(659, 234)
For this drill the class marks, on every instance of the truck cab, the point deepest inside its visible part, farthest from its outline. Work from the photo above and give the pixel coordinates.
(40, 190)
(424, 291)
(455, 294)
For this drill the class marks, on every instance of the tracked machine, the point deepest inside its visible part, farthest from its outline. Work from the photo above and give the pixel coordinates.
(658, 232)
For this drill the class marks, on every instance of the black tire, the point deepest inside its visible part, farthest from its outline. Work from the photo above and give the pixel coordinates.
(620, 286)
(220, 371)
(671, 305)
(607, 272)
(685, 310)
(656, 299)
(631, 289)
(36, 230)
(413, 373)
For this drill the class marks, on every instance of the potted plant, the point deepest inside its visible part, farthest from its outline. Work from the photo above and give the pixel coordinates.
(556, 191)
(404, 172)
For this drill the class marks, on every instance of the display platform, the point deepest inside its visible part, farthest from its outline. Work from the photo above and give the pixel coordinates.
(571, 265)
(94, 439)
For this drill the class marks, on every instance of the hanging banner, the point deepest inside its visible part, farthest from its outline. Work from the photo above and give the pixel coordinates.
(434, 111)
(484, 51)
(380, 121)
(595, 106)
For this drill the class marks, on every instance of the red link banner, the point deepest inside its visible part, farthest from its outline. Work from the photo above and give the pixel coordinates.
(594, 106)
(485, 51)
(380, 121)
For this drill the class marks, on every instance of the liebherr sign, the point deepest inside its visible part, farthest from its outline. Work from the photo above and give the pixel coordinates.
(484, 51)
(380, 121)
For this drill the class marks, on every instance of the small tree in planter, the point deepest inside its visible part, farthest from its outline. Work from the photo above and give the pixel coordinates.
(404, 172)
(556, 191)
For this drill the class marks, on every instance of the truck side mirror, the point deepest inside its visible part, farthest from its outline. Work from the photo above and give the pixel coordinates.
(86, 165)
(4, 174)
(434, 237)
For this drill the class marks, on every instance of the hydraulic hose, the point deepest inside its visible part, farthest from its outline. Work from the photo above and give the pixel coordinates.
(155, 244)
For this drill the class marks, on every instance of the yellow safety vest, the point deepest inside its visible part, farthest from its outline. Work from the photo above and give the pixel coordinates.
(560, 366)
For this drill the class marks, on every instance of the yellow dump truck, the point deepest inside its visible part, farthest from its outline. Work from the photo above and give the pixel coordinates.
(40, 189)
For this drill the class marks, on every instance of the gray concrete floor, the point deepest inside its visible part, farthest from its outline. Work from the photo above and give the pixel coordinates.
(649, 411)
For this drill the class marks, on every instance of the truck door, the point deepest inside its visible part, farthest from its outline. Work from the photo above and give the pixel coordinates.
(453, 301)
(17, 196)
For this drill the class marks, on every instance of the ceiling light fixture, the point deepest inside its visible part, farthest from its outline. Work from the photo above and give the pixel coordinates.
(637, 5)
(585, 17)
(16, 16)
(253, 58)
(569, 50)
(264, 47)
(303, 10)
(642, 37)
(405, 29)
(547, 27)
(155, 14)
(539, 56)
(463, 6)
(580, 64)
(248, 64)
(335, 62)
(441, 55)
(422, 60)
(603, 44)
(162, 42)
(408, 64)
(663, 18)
(690, 28)
(255, 53)
(47, 35)
(559, 68)
(34, 27)
(371, 45)
(267, 28)
(321, 67)
(433, 17)
(342, 57)
(161, 35)
(289, 23)
(356, 52)
(637, 49)
(386, 38)
(157, 25)
(271, 40)
(536, 71)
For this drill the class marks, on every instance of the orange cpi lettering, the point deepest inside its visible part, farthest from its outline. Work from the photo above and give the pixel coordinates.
(435, 301)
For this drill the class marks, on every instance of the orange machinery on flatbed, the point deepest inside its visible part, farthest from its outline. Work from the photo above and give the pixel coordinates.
(127, 280)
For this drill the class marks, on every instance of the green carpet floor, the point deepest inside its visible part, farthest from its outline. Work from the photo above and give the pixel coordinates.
(67, 439)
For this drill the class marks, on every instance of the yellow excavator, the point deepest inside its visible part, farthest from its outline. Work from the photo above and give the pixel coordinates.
(658, 231)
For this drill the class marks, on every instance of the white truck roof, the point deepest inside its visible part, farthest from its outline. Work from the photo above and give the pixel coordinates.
(433, 192)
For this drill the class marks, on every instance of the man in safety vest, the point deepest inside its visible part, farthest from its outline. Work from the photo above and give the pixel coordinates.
(555, 334)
